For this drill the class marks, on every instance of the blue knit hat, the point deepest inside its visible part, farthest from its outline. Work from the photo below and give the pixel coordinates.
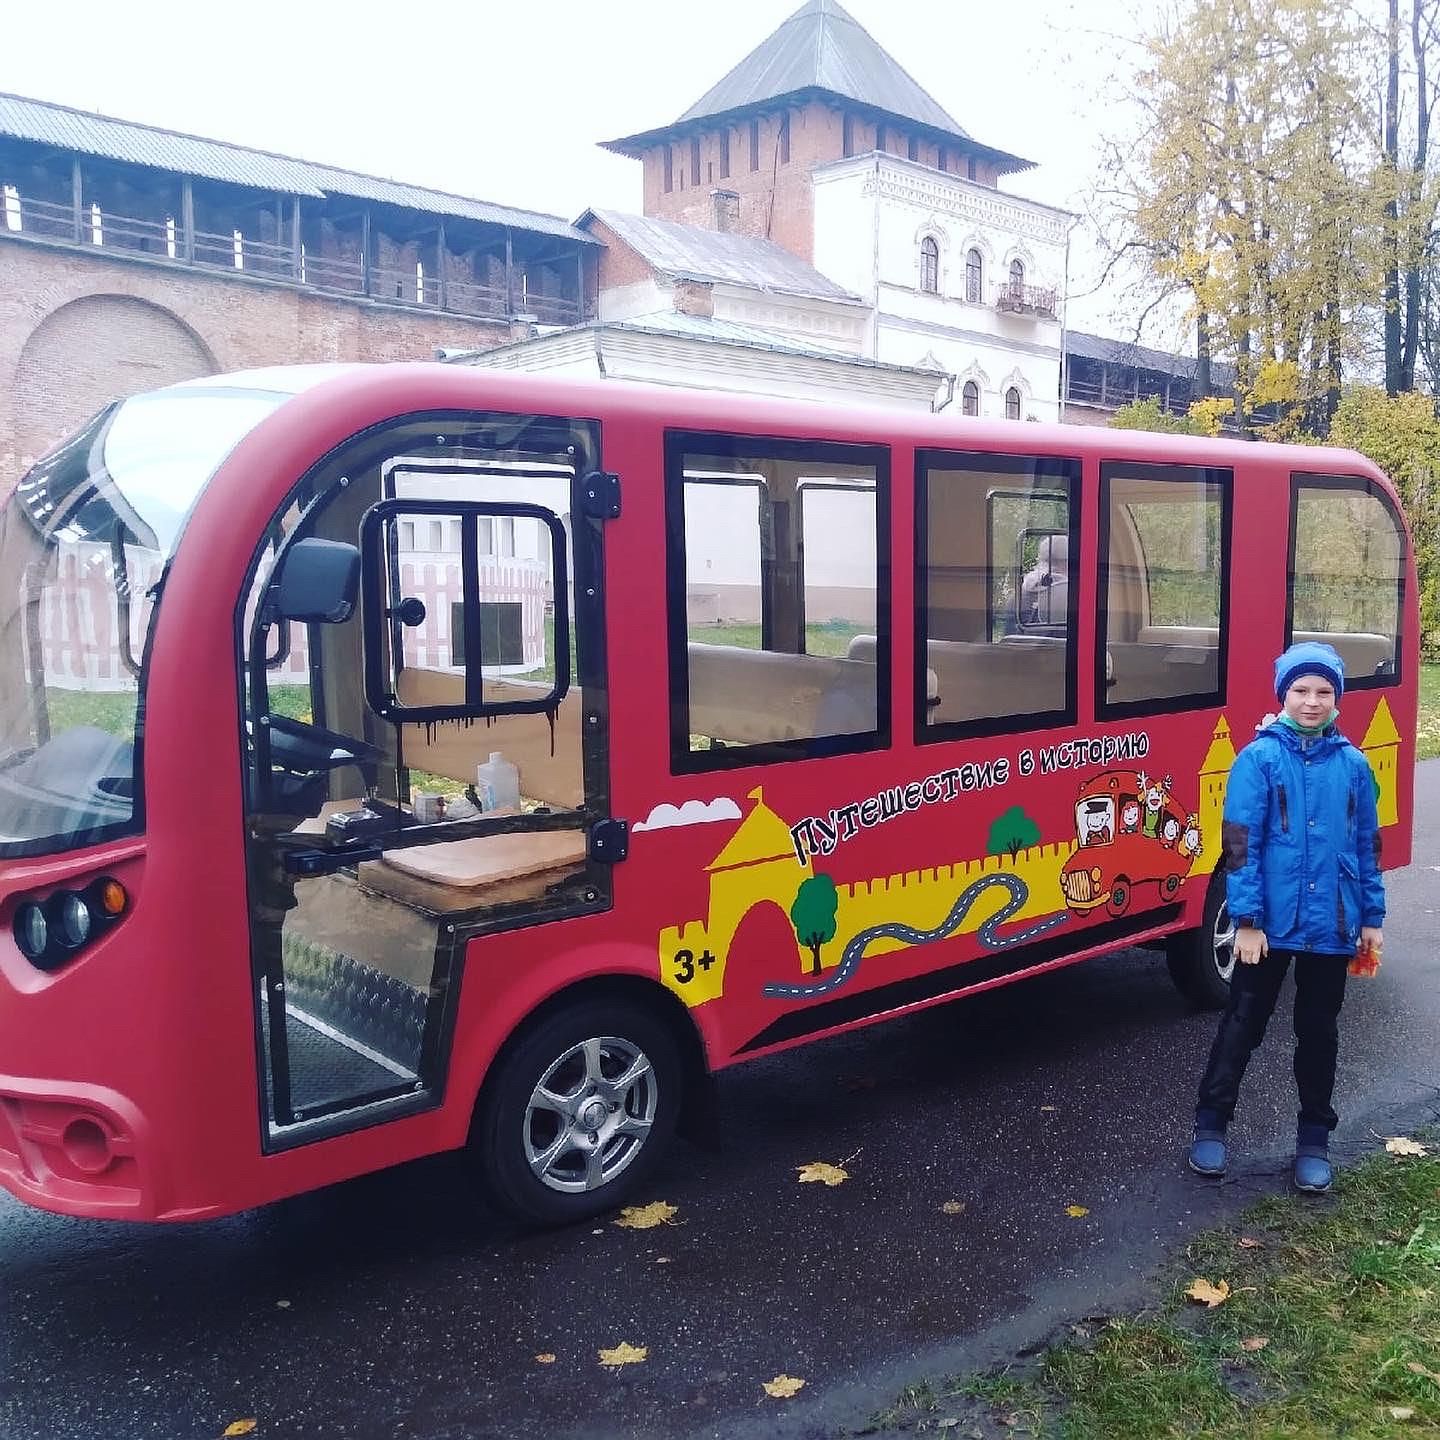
(1309, 657)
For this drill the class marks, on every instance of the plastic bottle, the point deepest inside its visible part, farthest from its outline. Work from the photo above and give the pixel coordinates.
(497, 783)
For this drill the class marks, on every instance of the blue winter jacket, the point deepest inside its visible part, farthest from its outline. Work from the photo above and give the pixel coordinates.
(1301, 841)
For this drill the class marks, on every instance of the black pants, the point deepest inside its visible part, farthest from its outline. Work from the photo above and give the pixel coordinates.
(1319, 993)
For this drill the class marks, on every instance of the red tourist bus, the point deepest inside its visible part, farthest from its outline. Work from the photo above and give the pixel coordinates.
(399, 759)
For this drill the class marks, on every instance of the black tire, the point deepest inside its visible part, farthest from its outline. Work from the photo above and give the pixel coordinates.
(509, 1132)
(1199, 967)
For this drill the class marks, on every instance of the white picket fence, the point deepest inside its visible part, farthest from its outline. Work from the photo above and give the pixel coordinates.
(79, 618)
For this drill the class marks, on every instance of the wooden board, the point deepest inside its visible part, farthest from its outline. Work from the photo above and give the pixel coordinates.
(488, 858)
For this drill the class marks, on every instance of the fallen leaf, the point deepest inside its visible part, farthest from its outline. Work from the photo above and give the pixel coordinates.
(239, 1427)
(1246, 1243)
(1208, 1294)
(1255, 1342)
(1416, 1368)
(546, 1359)
(646, 1217)
(953, 1207)
(1049, 1107)
(782, 1387)
(624, 1354)
(1401, 1412)
(825, 1174)
(1403, 1145)
(662, 1259)
(282, 1304)
(1076, 1212)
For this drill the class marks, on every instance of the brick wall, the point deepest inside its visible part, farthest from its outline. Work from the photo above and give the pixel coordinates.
(775, 196)
(80, 329)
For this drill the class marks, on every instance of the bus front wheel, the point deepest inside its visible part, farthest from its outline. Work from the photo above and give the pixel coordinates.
(1202, 961)
(577, 1112)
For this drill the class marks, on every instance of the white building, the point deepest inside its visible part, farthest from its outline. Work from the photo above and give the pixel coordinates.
(818, 225)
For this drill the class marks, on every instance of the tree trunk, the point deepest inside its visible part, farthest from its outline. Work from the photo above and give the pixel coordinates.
(814, 956)
(1416, 246)
(1390, 239)
(1202, 356)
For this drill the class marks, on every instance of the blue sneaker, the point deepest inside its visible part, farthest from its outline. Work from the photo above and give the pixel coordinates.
(1313, 1173)
(1208, 1155)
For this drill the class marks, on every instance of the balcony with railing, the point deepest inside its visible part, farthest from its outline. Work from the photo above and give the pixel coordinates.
(1015, 298)
(495, 274)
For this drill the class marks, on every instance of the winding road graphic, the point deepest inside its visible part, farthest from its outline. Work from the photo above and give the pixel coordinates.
(895, 930)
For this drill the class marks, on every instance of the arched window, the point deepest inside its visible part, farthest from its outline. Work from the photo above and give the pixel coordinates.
(1017, 280)
(970, 399)
(930, 265)
(1012, 404)
(972, 277)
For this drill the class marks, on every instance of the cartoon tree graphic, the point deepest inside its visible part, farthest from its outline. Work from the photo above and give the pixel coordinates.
(1013, 832)
(813, 915)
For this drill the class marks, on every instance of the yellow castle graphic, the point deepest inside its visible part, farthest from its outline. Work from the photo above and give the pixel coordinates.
(1381, 747)
(758, 866)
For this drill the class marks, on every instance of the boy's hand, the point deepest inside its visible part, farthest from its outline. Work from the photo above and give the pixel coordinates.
(1372, 939)
(1250, 945)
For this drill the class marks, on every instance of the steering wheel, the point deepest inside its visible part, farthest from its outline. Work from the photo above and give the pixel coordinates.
(303, 749)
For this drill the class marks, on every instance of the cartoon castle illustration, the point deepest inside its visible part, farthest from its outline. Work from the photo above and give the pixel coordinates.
(758, 866)
(1381, 747)
(1214, 772)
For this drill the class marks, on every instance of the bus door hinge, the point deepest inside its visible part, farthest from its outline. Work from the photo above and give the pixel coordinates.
(602, 495)
(610, 841)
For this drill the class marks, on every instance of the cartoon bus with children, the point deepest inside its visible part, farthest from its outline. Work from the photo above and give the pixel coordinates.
(408, 758)
(1131, 832)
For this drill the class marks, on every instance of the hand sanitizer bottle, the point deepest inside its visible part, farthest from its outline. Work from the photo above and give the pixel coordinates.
(497, 783)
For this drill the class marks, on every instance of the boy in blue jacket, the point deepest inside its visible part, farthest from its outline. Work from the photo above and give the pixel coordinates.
(1300, 846)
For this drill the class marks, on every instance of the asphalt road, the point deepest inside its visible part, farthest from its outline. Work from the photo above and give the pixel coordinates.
(392, 1307)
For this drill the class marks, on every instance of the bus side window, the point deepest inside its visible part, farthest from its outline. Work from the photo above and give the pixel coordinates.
(779, 625)
(1165, 555)
(1347, 572)
(997, 628)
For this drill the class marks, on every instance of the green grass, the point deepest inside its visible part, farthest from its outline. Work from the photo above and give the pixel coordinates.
(823, 637)
(115, 712)
(1427, 732)
(1345, 1294)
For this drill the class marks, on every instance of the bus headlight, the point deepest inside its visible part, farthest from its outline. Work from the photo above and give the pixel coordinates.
(73, 920)
(32, 931)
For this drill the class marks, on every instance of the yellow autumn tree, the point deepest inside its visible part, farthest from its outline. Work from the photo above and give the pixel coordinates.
(1251, 191)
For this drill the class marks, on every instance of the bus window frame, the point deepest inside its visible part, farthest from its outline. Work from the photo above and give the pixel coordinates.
(1066, 469)
(1356, 484)
(1166, 472)
(371, 448)
(678, 443)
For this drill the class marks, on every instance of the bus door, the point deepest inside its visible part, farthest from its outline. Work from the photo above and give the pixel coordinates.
(425, 746)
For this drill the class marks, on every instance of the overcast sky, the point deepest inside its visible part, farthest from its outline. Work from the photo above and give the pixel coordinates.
(507, 101)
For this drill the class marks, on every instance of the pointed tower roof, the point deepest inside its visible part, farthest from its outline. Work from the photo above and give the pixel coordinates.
(819, 51)
(762, 835)
(1382, 729)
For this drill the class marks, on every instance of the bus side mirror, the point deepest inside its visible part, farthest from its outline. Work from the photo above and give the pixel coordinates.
(319, 582)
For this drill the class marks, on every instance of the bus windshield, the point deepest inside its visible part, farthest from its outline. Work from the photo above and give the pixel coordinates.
(83, 545)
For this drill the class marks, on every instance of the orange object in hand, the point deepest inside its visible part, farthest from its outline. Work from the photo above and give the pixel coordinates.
(1366, 961)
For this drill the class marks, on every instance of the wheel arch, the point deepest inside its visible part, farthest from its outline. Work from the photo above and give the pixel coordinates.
(631, 989)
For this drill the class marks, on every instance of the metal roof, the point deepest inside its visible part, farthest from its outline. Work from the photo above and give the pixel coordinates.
(1141, 357)
(668, 323)
(688, 252)
(821, 48)
(65, 128)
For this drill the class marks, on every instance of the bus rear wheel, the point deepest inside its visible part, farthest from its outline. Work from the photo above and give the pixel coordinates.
(1202, 961)
(577, 1112)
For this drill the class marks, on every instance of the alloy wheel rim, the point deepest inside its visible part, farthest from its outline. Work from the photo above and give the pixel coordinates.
(1223, 943)
(590, 1115)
